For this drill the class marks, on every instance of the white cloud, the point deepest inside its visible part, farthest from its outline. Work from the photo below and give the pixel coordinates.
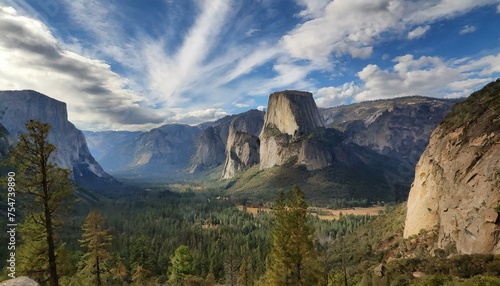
(198, 116)
(341, 25)
(429, 11)
(498, 9)
(428, 76)
(250, 32)
(418, 32)
(241, 105)
(333, 96)
(289, 74)
(467, 29)
(313, 8)
(361, 53)
(31, 58)
(468, 84)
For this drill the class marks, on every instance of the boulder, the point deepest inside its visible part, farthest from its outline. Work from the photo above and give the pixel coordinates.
(19, 281)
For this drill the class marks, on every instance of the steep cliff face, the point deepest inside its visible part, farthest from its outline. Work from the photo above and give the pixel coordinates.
(457, 180)
(293, 113)
(291, 117)
(17, 107)
(242, 147)
(209, 150)
(211, 145)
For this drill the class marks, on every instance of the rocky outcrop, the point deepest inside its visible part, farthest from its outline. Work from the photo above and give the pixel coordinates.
(291, 118)
(17, 107)
(209, 150)
(242, 147)
(293, 113)
(19, 281)
(211, 145)
(457, 179)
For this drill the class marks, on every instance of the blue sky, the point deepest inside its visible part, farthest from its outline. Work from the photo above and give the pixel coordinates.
(133, 65)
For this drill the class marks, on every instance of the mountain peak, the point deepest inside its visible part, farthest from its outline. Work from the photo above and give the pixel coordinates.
(292, 112)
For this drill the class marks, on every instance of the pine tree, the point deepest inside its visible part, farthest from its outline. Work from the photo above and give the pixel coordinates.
(210, 279)
(96, 240)
(48, 186)
(32, 258)
(120, 272)
(231, 265)
(293, 256)
(244, 276)
(140, 277)
(181, 265)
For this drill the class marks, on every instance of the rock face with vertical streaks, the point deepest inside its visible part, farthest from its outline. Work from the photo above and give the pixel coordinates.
(290, 122)
(242, 148)
(456, 190)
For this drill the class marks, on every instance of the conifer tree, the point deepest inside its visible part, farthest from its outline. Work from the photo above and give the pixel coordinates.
(293, 256)
(140, 277)
(47, 185)
(32, 258)
(181, 265)
(231, 265)
(96, 240)
(120, 272)
(244, 276)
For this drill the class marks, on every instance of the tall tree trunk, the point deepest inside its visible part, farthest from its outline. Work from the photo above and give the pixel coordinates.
(98, 271)
(53, 279)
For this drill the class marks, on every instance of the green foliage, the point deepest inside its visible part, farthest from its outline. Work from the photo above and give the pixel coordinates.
(497, 208)
(482, 104)
(94, 264)
(181, 265)
(149, 226)
(293, 256)
(32, 254)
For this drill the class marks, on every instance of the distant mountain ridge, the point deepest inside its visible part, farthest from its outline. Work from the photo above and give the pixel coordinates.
(397, 129)
(18, 107)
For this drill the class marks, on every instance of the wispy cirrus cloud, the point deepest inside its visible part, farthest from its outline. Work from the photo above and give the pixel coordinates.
(418, 32)
(467, 29)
